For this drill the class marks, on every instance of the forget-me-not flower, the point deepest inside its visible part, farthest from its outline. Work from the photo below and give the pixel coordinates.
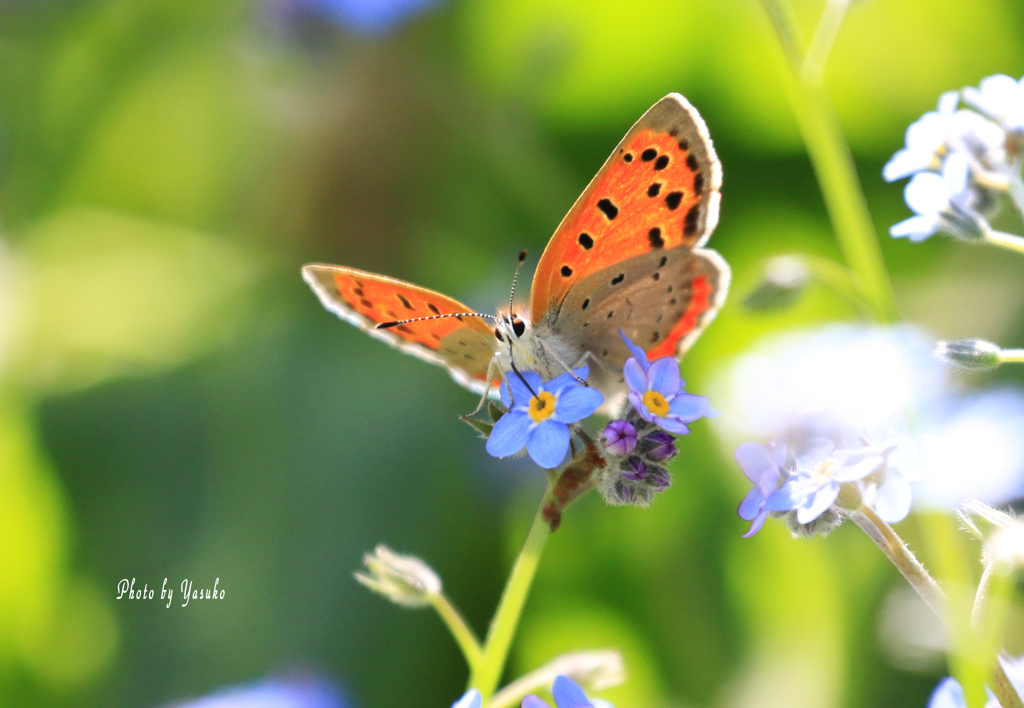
(620, 437)
(470, 699)
(567, 694)
(656, 392)
(942, 203)
(1001, 97)
(925, 141)
(539, 415)
(295, 692)
(763, 466)
(815, 485)
(949, 693)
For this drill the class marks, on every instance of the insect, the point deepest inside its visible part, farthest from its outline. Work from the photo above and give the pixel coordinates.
(627, 256)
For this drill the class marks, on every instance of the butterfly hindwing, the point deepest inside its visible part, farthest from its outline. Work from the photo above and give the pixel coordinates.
(659, 190)
(464, 345)
(660, 300)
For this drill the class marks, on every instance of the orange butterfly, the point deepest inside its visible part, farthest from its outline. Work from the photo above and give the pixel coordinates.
(627, 256)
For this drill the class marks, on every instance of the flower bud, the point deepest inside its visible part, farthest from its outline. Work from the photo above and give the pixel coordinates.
(969, 354)
(658, 478)
(405, 580)
(785, 278)
(620, 437)
(661, 446)
(634, 470)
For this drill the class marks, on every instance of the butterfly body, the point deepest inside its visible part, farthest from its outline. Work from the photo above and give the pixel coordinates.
(627, 256)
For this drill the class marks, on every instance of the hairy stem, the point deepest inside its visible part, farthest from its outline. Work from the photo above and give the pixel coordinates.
(978, 611)
(1005, 240)
(460, 630)
(896, 550)
(503, 627)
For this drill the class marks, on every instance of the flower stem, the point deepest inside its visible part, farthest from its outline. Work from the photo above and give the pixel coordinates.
(461, 631)
(978, 611)
(833, 163)
(821, 43)
(1005, 240)
(896, 550)
(488, 671)
(1006, 355)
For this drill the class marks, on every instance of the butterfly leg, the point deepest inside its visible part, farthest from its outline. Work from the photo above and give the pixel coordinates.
(597, 360)
(492, 369)
(567, 367)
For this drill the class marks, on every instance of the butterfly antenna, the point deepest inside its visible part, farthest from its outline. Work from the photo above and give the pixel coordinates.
(460, 315)
(514, 369)
(515, 278)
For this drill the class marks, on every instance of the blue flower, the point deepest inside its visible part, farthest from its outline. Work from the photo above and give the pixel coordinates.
(949, 693)
(366, 17)
(470, 699)
(655, 390)
(567, 694)
(942, 203)
(762, 465)
(299, 692)
(925, 141)
(819, 473)
(1002, 97)
(539, 415)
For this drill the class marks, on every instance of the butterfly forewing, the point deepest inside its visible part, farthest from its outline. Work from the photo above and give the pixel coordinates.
(464, 345)
(659, 190)
(661, 301)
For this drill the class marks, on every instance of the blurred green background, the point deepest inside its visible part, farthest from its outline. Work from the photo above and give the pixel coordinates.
(174, 402)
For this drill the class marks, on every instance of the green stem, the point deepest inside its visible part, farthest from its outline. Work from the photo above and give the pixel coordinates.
(1006, 355)
(824, 37)
(503, 627)
(1005, 240)
(460, 630)
(833, 165)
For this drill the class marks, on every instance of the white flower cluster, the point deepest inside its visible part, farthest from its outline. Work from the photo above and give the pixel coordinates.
(961, 161)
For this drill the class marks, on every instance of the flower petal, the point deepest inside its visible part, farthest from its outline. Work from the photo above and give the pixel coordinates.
(918, 228)
(892, 500)
(636, 351)
(948, 694)
(568, 694)
(547, 443)
(905, 163)
(509, 435)
(789, 495)
(636, 400)
(672, 425)
(751, 505)
(686, 406)
(577, 403)
(566, 379)
(947, 102)
(521, 392)
(955, 173)
(858, 467)
(769, 481)
(754, 459)
(926, 193)
(816, 504)
(470, 699)
(663, 376)
(635, 376)
(756, 525)
(818, 450)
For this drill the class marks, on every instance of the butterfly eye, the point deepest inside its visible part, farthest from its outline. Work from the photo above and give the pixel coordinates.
(518, 326)
(497, 333)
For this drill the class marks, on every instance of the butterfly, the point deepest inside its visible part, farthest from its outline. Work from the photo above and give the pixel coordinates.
(626, 257)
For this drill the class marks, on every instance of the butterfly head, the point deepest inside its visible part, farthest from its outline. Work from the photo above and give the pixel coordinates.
(510, 328)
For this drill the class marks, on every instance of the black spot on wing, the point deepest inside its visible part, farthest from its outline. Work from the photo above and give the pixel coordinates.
(661, 163)
(654, 236)
(690, 222)
(628, 157)
(586, 240)
(586, 304)
(691, 162)
(366, 303)
(405, 303)
(653, 190)
(673, 199)
(698, 184)
(566, 271)
(618, 278)
(433, 308)
(664, 260)
(683, 145)
(608, 208)
(648, 154)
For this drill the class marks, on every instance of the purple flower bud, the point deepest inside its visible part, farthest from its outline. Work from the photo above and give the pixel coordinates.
(634, 470)
(620, 437)
(662, 446)
(658, 478)
(624, 493)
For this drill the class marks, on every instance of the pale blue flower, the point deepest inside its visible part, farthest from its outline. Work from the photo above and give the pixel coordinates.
(926, 141)
(815, 485)
(567, 694)
(298, 692)
(366, 17)
(470, 699)
(539, 415)
(763, 466)
(942, 203)
(949, 693)
(1001, 97)
(656, 392)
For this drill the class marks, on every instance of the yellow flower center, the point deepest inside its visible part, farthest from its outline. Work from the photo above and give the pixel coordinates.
(656, 403)
(542, 407)
(823, 471)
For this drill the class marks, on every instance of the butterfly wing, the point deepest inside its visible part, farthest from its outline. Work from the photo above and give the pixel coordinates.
(659, 190)
(661, 300)
(463, 345)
